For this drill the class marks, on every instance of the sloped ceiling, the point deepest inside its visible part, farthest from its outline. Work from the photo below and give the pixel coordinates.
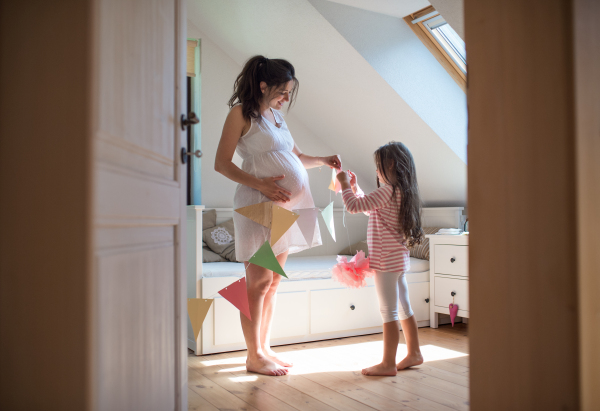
(395, 8)
(452, 10)
(342, 99)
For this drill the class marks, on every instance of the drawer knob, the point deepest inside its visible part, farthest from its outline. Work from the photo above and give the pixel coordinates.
(452, 259)
(427, 300)
(452, 293)
(352, 307)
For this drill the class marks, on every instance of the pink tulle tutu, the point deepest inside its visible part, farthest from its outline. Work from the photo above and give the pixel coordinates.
(352, 273)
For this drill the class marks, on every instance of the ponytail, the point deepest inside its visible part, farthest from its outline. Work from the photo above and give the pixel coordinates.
(246, 89)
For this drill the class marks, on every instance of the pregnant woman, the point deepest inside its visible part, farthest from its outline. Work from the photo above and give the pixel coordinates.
(273, 169)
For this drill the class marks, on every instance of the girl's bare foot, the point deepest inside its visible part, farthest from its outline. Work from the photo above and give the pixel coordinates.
(409, 361)
(263, 365)
(272, 355)
(380, 369)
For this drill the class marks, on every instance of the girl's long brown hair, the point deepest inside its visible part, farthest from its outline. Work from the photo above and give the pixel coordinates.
(395, 163)
(246, 89)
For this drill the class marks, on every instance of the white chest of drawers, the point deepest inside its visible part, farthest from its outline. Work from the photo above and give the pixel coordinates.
(449, 275)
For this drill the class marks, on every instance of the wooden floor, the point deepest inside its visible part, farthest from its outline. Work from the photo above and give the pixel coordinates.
(326, 376)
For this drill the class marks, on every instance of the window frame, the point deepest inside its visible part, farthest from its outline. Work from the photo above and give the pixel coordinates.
(432, 44)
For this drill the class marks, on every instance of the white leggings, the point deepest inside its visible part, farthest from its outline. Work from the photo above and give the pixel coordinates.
(391, 288)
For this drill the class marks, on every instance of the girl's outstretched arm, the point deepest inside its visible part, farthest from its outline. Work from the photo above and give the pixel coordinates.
(372, 201)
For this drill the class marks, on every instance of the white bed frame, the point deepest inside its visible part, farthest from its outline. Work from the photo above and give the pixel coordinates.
(307, 310)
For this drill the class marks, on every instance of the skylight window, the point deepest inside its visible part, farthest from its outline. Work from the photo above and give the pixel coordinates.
(443, 42)
(449, 40)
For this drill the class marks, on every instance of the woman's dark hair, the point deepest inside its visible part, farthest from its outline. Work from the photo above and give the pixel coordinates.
(396, 165)
(246, 89)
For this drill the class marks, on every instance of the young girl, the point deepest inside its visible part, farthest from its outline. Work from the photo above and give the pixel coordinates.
(394, 225)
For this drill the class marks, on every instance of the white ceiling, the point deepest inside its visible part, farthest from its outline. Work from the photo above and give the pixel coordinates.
(396, 8)
(342, 99)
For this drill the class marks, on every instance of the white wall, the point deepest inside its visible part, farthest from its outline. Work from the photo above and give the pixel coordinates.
(218, 73)
(393, 49)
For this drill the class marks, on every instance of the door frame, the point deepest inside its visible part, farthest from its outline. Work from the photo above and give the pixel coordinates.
(181, 377)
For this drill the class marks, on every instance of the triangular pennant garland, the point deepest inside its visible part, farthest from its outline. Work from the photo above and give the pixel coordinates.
(327, 214)
(260, 213)
(282, 220)
(237, 295)
(265, 257)
(197, 310)
(307, 223)
(335, 185)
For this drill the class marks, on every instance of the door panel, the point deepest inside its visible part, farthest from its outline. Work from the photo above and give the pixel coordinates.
(138, 209)
(136, 324)
(136, 99)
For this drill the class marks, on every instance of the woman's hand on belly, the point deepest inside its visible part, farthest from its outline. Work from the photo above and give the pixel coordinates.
(273, 191)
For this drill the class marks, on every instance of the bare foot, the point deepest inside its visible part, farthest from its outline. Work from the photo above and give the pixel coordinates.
(409, 361)
(272, 355)
(263, 365)
(380, 369)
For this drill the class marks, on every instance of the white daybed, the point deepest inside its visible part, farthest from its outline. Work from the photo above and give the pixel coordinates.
(310, 305)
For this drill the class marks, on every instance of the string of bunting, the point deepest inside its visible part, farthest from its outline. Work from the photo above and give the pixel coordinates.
(279, 220)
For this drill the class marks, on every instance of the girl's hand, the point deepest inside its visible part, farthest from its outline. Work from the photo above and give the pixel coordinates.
(343, 179)
(353, 179)
(333, 162)
(273, 191)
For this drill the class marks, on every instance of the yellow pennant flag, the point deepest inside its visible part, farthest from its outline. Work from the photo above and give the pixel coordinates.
(281, 222)
(260, 213)
(197, 310)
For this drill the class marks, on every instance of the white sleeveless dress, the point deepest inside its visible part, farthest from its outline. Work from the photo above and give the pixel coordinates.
(267, 152)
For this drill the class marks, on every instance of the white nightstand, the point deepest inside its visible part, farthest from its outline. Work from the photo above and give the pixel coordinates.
(448, 275)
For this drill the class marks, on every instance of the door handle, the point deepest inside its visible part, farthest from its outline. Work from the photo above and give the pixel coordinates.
(185, 154)
(190, 121)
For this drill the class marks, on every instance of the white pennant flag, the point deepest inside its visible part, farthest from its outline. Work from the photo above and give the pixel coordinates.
(307, 222)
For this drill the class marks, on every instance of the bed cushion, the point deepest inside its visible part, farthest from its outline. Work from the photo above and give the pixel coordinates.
(209, 220)
(296, 268)
(421, 251)
(360, 246)
(221, 239)
(209, 256)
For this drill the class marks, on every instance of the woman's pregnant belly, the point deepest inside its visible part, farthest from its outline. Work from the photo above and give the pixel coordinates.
(286, 163)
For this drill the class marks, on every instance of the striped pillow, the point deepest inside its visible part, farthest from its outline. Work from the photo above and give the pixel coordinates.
(421, 251)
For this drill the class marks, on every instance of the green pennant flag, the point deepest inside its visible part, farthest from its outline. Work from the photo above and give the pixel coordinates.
(265, 257)
(327, 214)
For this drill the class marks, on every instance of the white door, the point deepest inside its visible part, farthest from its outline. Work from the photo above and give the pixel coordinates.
(138, 332)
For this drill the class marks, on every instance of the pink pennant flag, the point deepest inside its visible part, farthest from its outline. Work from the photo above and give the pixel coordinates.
(453, 311)
(335, 184)
(237, 295)
(307, 223)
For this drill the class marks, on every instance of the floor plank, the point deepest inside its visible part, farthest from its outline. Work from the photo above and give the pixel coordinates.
(336, 397)
(197, 403)
(411, 393)
(247, 392)
(326, 377)
(215, 395)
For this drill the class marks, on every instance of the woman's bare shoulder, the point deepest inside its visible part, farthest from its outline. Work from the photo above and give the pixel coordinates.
(236, 118)
(236, 111)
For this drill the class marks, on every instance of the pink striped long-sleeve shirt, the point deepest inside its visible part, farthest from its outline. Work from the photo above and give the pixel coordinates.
(387, 249)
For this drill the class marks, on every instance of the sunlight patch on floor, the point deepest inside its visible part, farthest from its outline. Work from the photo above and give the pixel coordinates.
(351, 357)
(245, 378)
(435, 353)
(224, 361)
(235, 369)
